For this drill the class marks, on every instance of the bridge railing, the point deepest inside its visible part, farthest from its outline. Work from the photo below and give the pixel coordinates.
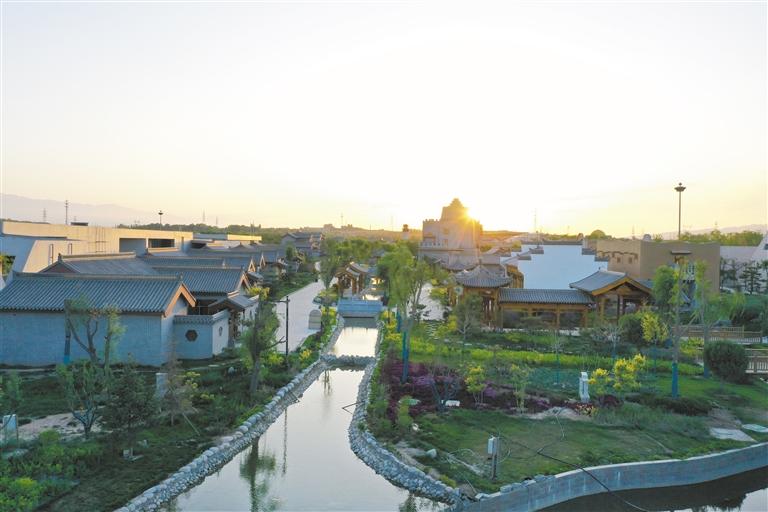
(757, 361)
(734, 334)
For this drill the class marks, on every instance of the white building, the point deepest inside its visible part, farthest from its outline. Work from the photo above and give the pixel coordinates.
(554, 265)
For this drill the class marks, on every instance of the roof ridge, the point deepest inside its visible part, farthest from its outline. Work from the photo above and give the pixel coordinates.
(104, 277)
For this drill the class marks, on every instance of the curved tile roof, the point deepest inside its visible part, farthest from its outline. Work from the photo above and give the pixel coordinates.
(544, 296)
(481, 277)
(130, 294)
(110, 264)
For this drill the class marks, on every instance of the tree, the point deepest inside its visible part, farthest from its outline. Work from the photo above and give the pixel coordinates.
(257, 339)
(598, 234)
(407, 276)
(290, 253)
(653, 327)
(663, 287)
(468, 311)
(131, 404)
(10, 393)
(180, 390)
(83, 321)
(519, 376)
(631, 328)
(709, 306)
(476, 384)
(86, 386)
(727, 360)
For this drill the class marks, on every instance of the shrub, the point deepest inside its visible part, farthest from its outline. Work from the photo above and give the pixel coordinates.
(727, 360)
(404, 420)
(683, 405)
(631, 328)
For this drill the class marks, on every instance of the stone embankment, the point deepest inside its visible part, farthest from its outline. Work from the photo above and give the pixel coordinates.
(381, 460)
(251, 429)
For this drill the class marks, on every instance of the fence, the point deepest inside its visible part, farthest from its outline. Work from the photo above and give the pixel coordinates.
(757, 361)
(734, 334)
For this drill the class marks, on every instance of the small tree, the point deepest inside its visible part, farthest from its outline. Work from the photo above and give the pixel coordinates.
(179, 392)
(727, 360)
(468, 311)
(257, 339)
(82, 323)
(519, 377)
(131, 404)
(600, 380)
(86, 387)
(10, 395)
(663, 289)
(475, 383)
(625, 373)
(631, 328)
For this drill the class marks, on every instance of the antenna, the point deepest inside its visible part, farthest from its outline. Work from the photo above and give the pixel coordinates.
(66, 211)
(45, 215)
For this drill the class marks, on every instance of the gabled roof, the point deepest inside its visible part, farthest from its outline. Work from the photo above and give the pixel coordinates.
(359, 267)
(605, 280)
(130, 294)
(124, 263)
(205, 280)
(543, 296)
(156, 261)
(236, 302)
(481, 277)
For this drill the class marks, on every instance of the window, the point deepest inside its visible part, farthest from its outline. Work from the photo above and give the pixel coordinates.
(618, 259)
(191, 335)
(221, 330)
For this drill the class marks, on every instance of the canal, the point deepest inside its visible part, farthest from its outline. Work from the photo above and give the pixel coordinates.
(303, 461)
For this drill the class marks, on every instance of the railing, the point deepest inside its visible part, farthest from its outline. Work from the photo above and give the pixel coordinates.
(734, 334)
(757, 361)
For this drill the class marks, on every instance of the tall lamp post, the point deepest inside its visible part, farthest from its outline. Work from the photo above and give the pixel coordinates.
(160, 213)
(680, 189)
(679, 257)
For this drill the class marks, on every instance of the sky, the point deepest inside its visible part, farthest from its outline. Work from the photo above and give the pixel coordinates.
(567, 116)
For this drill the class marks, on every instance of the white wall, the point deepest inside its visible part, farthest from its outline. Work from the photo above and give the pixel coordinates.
(558, 267)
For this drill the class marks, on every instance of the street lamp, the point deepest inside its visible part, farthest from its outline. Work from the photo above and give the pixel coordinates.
(160, 213)
(679, 188)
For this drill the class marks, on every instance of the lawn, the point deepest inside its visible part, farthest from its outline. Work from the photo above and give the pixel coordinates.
(646, 425)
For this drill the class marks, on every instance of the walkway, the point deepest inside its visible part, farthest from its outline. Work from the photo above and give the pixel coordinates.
(301, 305)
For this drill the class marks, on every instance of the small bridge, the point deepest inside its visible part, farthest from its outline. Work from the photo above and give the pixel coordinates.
(358, 308)
(733, 334)
(757, 361)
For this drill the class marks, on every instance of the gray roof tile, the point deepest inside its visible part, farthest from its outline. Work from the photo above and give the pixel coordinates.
(481, 277)
(130, 294)
(109, 264)
(598, 280)
(543, 296)
(201, 280)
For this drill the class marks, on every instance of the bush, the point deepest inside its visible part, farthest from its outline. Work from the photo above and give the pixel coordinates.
(683, 405)
(726, 360)
(631, 328)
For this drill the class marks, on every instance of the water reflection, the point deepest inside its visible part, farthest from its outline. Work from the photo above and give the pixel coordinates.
(358, 338)
(257, 470)
(304, 464)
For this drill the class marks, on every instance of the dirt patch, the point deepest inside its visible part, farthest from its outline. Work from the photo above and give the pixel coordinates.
(64, 424)
(563, 413)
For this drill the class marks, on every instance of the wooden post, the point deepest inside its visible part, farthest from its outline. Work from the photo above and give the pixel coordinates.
(557, 317)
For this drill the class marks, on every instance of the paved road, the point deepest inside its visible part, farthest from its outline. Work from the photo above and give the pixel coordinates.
(301, 305)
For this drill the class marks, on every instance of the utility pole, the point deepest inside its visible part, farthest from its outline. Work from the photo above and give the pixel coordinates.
(45, 216)
(66, 212)
(679, 188)
(160, 213)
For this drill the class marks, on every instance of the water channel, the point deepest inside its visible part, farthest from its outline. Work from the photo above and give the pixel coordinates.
(304, 462)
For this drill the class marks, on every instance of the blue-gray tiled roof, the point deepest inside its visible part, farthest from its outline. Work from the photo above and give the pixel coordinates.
(598, 280)
(130, 294)
(543, 296)
(110, 264)
(207, 280)
(481, 277)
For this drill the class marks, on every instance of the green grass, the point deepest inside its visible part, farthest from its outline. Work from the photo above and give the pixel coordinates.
(464, 433)
(41, 396)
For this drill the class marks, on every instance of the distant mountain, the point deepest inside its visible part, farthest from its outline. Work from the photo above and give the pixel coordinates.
(28, 209)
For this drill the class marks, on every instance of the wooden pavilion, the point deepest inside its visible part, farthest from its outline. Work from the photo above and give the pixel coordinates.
(614, 289)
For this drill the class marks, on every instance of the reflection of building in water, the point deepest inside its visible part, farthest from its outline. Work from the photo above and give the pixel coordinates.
(452, 240)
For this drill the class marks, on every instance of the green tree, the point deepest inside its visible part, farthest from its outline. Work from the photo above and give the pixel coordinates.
(653, 327)
(468, 312)
(406, 279)
(475, 382)
(631, 328)
(710, 306)
(519, 377)
(727, 360)
(86, 388)
(131, 404)
(597, 234)
(663, 289)
(179, 391)
(257, 339)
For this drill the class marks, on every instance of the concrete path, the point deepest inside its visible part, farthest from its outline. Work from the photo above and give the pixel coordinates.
(434, 310)
(301, 305)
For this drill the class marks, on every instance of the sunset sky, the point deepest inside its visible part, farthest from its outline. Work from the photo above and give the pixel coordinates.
(294, 113)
